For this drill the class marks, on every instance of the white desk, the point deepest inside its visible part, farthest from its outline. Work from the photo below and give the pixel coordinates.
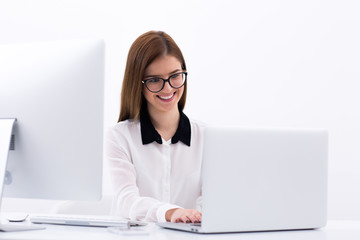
(335, 230)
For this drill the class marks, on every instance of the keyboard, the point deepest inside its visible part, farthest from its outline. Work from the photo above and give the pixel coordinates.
(191, 227)
(11, 227)
(85, 220)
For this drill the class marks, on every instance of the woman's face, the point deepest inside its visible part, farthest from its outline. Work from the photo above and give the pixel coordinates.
(167, 99)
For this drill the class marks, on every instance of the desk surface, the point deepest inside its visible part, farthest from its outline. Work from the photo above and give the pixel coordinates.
(344, 230)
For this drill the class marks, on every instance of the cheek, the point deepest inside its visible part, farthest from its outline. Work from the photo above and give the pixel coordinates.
(147, 94)
(181, 91)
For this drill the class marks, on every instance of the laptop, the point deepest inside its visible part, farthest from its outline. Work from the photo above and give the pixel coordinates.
(262, 179)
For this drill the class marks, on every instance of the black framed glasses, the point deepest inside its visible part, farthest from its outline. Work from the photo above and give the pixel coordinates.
(156, 84)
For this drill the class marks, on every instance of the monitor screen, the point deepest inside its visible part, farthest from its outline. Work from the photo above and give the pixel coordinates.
(55, 90)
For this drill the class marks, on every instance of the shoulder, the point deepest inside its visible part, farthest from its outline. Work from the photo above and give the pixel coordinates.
(125, 128)
(197, 127)
(197, 133)
(197, 124)
(127, 124)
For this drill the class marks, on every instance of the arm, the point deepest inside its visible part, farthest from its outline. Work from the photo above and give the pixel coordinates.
(127, 202)
(185, 215)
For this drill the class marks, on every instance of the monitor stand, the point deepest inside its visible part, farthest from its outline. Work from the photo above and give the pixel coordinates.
(6, 128)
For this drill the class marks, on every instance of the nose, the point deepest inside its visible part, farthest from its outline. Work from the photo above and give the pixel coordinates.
(167, 87)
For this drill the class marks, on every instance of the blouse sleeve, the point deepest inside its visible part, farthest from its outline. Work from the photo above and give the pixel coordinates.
(127, 202)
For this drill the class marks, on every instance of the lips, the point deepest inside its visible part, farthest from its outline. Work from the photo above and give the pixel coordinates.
(166, 98)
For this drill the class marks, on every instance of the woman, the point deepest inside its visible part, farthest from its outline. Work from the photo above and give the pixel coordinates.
(154, 151)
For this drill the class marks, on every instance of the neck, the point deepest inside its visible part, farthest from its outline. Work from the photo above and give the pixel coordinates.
(166, 123)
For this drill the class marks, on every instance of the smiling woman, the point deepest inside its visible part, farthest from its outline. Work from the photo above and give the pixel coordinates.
(154, 146)
(163, 104)
(142, 53)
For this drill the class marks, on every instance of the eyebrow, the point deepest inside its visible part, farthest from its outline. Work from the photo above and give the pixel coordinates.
(177, 70)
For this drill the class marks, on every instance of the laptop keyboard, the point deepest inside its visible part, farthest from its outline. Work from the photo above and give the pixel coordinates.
(196, 224)
(191, 224)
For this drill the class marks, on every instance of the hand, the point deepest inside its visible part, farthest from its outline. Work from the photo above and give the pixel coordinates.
(183, 215)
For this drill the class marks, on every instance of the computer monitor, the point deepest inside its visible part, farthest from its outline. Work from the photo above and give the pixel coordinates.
(55, 91)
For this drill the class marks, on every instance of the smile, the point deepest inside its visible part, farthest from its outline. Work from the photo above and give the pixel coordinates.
(168, 97)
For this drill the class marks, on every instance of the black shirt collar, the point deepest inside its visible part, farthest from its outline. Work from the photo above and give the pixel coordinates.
(149, 133)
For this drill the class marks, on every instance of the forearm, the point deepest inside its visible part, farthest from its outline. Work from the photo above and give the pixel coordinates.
(135, 207)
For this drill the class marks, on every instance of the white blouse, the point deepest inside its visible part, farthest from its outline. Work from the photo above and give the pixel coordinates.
(149, 179)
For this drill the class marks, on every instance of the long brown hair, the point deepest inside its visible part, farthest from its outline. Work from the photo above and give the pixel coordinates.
(143, 51)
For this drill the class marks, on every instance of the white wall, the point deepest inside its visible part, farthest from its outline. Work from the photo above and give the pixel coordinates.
(267, 63)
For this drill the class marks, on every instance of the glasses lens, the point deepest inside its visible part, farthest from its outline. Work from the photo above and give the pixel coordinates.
(177, 80)
(154, 84)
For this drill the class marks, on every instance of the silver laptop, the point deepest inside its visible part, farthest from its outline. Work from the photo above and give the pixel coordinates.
(262, 180)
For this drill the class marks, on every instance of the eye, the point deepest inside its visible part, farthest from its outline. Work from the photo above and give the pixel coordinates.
(153, 80)
(176, 75)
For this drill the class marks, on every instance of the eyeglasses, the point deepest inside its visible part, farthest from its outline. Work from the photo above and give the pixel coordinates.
(156, 84)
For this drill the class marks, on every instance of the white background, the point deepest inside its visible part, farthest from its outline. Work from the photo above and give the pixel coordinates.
(252, 63)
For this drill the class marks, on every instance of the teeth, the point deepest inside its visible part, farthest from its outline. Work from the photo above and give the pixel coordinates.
(166, 97)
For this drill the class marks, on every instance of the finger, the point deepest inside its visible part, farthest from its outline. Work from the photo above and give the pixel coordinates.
(192, 218)
(184, 219)
(196, 220)
(195, 213)
(199, 217)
